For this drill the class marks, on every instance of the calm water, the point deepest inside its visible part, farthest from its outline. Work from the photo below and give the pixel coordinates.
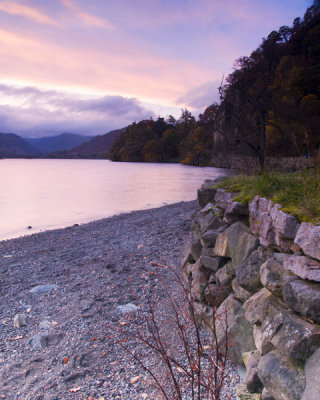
(47, 194)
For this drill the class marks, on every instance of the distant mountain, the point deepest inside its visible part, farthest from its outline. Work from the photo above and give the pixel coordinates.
(65, 141)
(97, 147)
(12, 145)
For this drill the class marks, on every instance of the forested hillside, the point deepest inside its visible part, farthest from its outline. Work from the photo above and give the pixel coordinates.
(185, 140)
(271, 102)
(270, 106)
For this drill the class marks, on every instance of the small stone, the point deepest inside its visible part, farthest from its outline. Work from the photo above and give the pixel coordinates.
(20, 320)
(129, 307)
(43, 288)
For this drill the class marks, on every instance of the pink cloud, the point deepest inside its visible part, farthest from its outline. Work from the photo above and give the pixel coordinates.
(14, 8)
(87, 19)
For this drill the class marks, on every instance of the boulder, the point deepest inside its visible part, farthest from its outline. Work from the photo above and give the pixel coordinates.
(262, 340)
(291, 335)
(239, 331)
(248, 275)
(196, 250)
(223, 199)
(236, 212)
(206, 195)
(213, 263)
(252, 379)
(208, 239)
(216, 294)
(302, 296)
(282, 378)
(304, 267)
(308, 238)
(271, 273)
(224, 276)
(199, 281)
(240, 293)
(285, 225)
(236, 242)
(312, 372)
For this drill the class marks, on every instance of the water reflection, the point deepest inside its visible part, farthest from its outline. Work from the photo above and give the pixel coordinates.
(47, 194)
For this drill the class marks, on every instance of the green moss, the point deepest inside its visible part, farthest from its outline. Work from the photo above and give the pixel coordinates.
(298, 193)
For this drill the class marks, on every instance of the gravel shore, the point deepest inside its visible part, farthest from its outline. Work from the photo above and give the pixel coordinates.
(91, 276)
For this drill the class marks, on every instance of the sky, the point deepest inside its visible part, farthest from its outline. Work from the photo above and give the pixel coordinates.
(89, 67)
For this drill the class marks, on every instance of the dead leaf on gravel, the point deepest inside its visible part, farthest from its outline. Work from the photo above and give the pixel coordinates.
(54, 323)
(16, 338)
(122, 323)
(65, 360)
(181, 370)
(101, 398)
(135, 379)
(74, 390)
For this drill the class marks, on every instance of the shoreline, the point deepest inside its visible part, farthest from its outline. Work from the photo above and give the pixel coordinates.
(97, 268)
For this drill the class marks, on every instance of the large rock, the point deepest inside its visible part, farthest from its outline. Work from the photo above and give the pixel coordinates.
(248, 275)
(304, 267)
(312, 372)
(213, 263)
(283, 378)
(302, 297)
(236, 242)
(282, 329)
(236, 212)
(200, 277)
(209, 238)
(262, 340)
(239, 331)
(223, 199)
(265, 395)
(271, 275)
(240, 293)
(271, 225)
(308, 238)
(206, 195)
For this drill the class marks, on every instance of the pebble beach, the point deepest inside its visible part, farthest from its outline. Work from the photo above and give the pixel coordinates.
(62, 291)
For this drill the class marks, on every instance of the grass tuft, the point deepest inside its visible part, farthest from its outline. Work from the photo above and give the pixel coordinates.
(298, 193)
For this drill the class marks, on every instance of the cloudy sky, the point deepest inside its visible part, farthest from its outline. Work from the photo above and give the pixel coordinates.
(91, 66)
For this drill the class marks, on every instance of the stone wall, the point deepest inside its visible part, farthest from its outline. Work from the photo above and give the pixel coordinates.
(245, 163)
(261, 267)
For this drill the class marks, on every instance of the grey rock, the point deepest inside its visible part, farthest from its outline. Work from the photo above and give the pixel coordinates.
(209, 238)
(196, 250)
(199, 283)
(129, 307)
(43, 288)
(252, 379)
(259, 306)
(302, 297)
(236, 242)
(271, 275)
(223, 198)
(291, 335)
(216, 294)
(308, 238)
(20, 320)
(248, 275)
(223, 278)
(286, 225)
(239, 292)
(282, 378)
(262, 340)
(206, 195)
(304, 267)
(213, 263)
(312, 372)
(236, 212)
(239, 330)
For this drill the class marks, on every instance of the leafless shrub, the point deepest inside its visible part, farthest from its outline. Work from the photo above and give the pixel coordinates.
(184, 360)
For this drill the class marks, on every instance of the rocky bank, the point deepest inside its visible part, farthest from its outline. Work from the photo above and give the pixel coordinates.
(262, 268)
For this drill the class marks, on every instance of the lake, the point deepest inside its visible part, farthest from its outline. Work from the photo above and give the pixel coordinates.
(48, 194)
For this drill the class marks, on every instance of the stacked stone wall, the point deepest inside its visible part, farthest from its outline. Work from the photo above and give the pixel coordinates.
(262, 269)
